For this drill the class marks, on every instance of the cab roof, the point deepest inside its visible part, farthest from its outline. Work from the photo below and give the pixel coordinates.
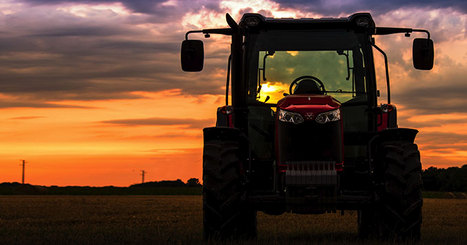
(362, 22)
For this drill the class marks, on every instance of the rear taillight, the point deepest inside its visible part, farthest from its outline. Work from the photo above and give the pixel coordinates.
(340, 167)
(225, 117)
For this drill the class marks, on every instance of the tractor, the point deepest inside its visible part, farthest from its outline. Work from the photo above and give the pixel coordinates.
(309, 130)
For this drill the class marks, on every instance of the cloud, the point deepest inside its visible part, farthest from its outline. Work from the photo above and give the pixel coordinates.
(57, 50)
(444, 24)
(54, 50)
(439, 91)
(26, 118)
(159, 10)
(157, 121)
(439, 138)
(172, 135)
(439, 121)
(442, 93)
(176, 151)
(336, 7)
(19, 104)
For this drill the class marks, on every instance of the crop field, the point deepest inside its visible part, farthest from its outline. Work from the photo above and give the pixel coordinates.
(178, 220)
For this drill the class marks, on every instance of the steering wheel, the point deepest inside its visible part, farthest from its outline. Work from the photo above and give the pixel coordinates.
(314, 79)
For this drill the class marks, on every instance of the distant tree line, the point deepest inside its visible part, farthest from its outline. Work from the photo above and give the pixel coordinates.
(165, 187)
(193, 182)
(445, 179)
(453, 179)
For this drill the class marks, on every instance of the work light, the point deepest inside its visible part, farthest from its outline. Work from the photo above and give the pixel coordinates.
(329, 116)
(288, 116)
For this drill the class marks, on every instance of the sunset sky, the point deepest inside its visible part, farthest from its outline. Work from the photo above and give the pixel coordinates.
(91, 91)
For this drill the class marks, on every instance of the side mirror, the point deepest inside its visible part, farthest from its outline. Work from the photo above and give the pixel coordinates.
(192, 55)
(423, 53)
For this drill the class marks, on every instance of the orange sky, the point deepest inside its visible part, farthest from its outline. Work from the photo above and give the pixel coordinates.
(92, 93)
(79, 146)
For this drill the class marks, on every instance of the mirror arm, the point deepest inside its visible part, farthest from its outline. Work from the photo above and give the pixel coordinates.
(422, 30)
(222, 31)
(393, 30)
(186, 34)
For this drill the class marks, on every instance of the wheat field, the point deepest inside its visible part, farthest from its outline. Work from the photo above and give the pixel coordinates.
(178, 220)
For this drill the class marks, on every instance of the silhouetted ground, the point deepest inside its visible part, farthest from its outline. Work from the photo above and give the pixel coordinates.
(178, 220)
(149, 188)
(166, 187)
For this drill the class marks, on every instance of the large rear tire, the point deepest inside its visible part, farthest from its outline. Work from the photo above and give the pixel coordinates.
(398, 213)
(225, 210)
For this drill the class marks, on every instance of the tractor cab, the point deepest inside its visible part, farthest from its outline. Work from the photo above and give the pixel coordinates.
(307, 90)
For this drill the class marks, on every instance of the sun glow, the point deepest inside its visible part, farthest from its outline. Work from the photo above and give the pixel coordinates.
(293, 53)
(275, 91)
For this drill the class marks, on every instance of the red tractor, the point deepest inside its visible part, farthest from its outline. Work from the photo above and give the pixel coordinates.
(305, 132)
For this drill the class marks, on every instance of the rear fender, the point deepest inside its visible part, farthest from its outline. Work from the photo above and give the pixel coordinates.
(391, 134)
(375, 150)
(397, 134)
(222, 134)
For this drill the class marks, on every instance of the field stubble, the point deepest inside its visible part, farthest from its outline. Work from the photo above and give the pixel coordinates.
(178, 219)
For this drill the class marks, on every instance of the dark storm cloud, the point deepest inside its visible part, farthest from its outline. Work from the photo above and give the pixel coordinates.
(157, 121)
(436, 95)
(20, 104)
(156, 8)
(91, 69)
(51, 55)
(137, 5)
(92, 31)
(438, 122)
(448, 139)
(376, 7)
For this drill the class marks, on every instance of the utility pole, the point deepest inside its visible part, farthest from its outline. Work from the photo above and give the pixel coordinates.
(24, 163)
(142, 176)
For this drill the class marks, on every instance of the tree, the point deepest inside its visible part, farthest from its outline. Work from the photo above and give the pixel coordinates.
(450, 179)
(193, 182)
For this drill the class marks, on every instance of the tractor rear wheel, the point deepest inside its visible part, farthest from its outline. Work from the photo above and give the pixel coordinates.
(226, 214)
(398, 213)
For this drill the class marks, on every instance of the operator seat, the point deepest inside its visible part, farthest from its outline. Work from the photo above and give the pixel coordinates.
(307, 86)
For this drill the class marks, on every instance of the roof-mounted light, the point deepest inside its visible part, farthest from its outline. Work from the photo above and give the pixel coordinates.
(252, 21)
(363, 22)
